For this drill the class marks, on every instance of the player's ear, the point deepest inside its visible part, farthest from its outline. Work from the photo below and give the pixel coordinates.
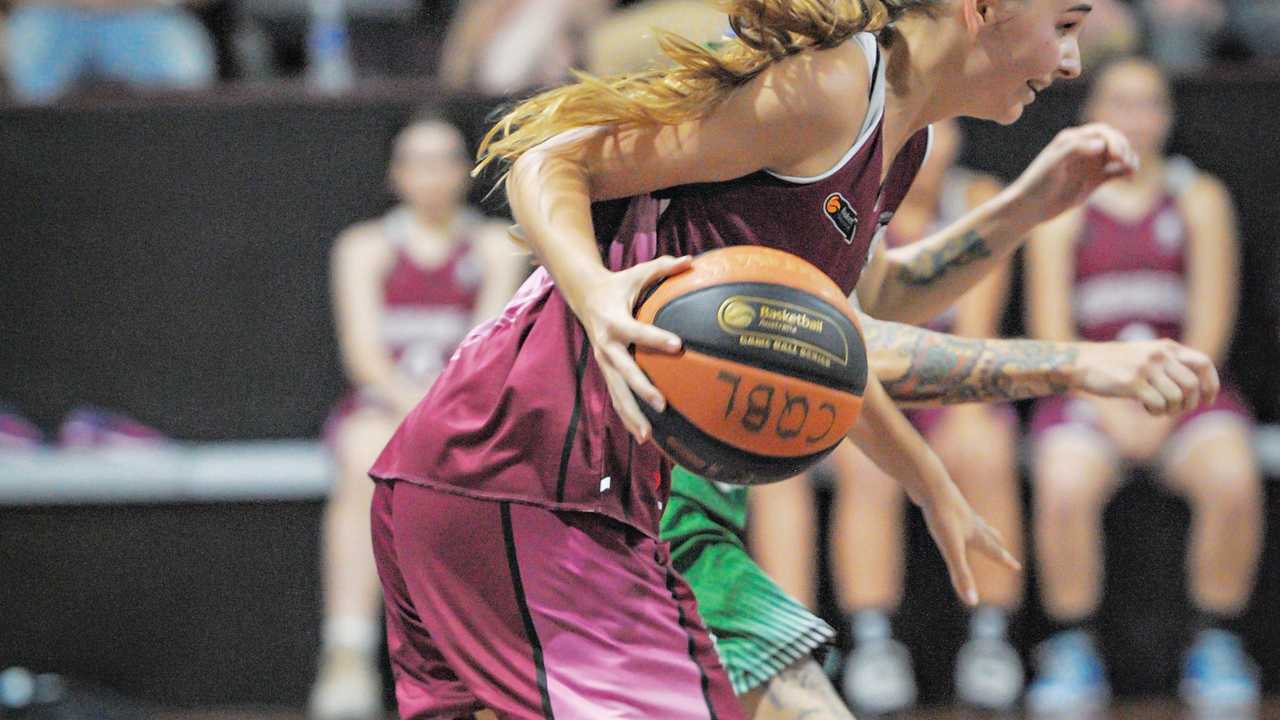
(979, 14)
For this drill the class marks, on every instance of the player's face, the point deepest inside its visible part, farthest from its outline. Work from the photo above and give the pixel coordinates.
(429, 167)
(1133, 97)
(1022, 49)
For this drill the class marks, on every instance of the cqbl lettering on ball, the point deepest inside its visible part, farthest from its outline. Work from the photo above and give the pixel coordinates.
(773, 368)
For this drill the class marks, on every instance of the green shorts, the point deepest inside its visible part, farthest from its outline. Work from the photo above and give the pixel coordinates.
(759, 630)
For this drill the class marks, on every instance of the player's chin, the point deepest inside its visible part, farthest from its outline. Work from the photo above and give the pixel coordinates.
(1010, 114)
(1004, 114)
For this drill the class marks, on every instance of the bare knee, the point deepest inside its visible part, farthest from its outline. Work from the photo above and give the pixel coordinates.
(1072, 480)
(1219, 474)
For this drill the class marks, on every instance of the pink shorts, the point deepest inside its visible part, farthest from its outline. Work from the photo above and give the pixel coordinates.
(536, 614)
(1072, 412)
(926, 420)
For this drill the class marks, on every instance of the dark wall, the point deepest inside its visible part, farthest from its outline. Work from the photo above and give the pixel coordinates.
(172, 261)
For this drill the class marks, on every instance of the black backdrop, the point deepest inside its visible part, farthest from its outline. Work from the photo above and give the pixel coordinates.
(169, 259)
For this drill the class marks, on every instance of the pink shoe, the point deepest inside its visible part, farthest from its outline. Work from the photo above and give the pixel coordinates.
(17, 432)
(90, 427)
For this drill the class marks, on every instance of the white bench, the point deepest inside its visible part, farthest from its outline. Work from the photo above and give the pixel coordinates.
(232, 472)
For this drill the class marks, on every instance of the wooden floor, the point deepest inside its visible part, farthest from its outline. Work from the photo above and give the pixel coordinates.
(1144, 710)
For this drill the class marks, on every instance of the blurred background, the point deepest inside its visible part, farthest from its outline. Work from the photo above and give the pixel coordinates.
(174, 177)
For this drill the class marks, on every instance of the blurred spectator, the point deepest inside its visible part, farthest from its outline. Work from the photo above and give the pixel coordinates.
(384, 37)
(626, 41)
(1184, 33)
(1257, 24)
(1113, 29)
(504, 47)
(407, 287)
(52, 45)
(1151, 255)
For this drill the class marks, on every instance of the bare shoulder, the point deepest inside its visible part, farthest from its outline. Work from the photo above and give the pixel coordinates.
(1207, 191)
(492, 237)
(831, 86)
(1059, 230)
(364, 242)
(982, 187)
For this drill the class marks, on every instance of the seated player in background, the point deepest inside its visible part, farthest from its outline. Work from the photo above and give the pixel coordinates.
(406, 289)
(1152, 255)
(977, 444)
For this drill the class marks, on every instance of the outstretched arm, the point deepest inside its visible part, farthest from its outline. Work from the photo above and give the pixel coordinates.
(895, 446)
(915, 282)
(920, 367)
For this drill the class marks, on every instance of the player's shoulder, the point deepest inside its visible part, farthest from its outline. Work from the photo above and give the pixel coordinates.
(367, 239)
(981, 187)
(829, 84)
(1200, 191)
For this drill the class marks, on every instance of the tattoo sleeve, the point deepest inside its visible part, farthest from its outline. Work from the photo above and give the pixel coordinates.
(920, 367)
(929, 265)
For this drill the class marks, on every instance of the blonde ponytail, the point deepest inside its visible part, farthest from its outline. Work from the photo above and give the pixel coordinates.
(766, 31)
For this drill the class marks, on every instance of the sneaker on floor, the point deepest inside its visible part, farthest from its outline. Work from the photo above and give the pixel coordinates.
(1219, 680)
(348, 687)
(1072, 680)
(17, 432)
(878, 678)
(989, 675)
(90, 427)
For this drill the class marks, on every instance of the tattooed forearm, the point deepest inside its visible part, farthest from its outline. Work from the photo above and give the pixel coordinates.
(922, 367)
(930, 264)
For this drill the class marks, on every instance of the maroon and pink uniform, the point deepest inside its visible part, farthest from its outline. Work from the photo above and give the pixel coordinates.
(426, 311)
(1130, 283)
(518, 440)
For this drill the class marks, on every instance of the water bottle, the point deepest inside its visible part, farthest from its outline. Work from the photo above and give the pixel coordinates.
(329, 68)
(21, 689)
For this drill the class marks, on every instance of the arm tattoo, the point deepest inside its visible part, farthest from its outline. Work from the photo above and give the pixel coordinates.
(922, 367)
(930, 264)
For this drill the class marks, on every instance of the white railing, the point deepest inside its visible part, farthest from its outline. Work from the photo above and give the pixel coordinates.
(232, 472)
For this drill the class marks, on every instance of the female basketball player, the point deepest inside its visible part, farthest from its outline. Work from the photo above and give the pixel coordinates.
(1152, 255)
(406, 288)
(517, 509)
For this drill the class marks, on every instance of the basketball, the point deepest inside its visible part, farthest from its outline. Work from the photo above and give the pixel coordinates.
(771, 375)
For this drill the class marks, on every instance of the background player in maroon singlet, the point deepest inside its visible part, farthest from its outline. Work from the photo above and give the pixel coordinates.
(406, 289)
(516, 510)
(1153, 255)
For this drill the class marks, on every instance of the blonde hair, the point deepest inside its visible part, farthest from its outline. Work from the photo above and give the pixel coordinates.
(699, 78)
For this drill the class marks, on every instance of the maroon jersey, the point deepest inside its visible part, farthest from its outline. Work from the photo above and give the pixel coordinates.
(522, 412)
(428, 311)
(953, 203)
(1130, 275)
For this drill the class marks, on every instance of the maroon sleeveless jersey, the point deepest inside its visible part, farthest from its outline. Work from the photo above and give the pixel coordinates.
(427, 311)
(522, 412)
(1130, 275)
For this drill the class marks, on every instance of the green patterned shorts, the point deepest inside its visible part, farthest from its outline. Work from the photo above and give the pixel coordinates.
(759, 630)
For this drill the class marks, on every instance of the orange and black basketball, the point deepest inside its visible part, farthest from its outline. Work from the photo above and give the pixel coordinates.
(772, 371)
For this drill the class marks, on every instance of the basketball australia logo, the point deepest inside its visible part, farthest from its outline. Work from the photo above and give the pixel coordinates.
(780, 328)
(842, 215)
